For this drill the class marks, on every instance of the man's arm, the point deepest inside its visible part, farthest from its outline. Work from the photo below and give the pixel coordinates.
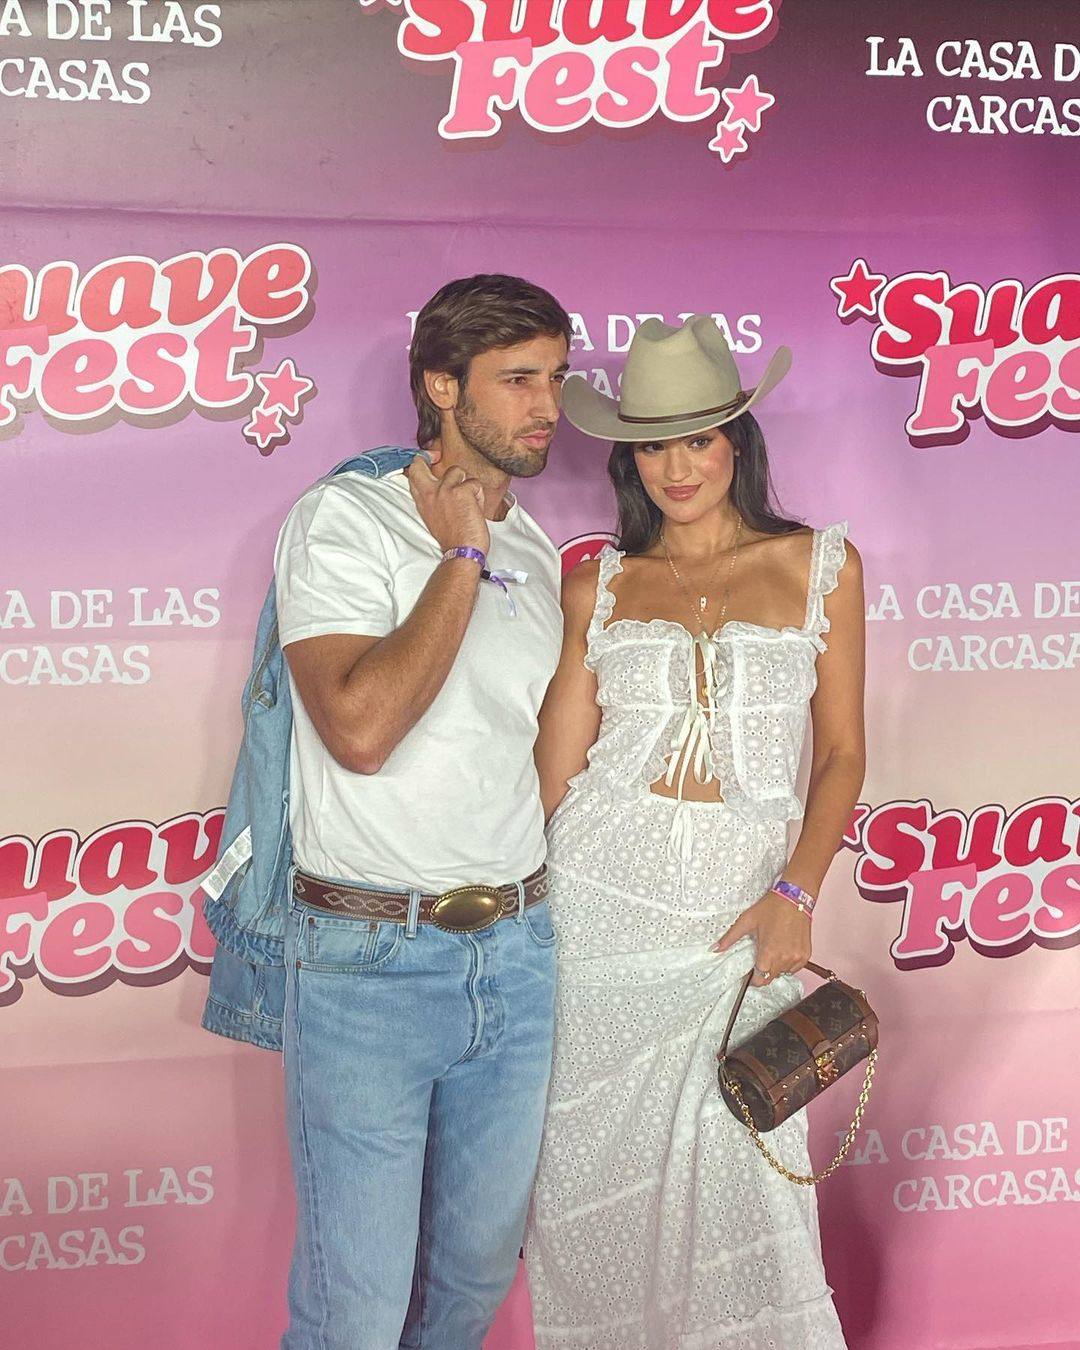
(365, 694)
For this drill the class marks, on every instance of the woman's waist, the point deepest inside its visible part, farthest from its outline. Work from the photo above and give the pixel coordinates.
(627, 815)
(649, 766)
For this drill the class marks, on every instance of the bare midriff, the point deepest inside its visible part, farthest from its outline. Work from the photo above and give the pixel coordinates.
(693, 791)
(689, 775)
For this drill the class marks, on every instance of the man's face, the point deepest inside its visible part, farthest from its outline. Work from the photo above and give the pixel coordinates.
(507, 409)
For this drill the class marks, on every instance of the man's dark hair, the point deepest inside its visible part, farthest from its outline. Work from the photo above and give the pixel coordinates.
(470, 316)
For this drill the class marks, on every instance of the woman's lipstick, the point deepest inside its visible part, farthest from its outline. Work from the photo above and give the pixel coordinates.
(682, 494)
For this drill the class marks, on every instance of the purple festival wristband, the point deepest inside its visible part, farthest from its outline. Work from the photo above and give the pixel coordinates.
(801, 899)
(496, 578)
(476, 554)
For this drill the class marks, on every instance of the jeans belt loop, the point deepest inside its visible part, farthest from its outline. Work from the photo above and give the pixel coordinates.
(520, 886)
(414, 914)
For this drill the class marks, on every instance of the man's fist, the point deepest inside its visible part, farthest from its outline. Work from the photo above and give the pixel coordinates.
(452, 507)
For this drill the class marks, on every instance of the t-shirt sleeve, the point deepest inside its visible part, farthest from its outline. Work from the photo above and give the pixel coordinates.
(331, 569)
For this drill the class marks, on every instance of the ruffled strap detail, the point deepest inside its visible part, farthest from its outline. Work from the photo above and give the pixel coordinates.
(610, 560)
(827, 556)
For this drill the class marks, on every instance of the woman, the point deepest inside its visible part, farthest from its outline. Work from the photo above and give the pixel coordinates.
(669, 743)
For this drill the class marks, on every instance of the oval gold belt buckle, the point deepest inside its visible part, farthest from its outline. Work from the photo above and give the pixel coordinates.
(467, 909)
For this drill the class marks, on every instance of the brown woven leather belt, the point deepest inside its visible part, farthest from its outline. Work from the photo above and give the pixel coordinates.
(466, 909)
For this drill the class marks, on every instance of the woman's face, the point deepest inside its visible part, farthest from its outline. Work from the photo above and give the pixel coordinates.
(689, 476)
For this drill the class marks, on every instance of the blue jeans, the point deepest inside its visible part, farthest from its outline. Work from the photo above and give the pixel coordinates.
(416, 1068)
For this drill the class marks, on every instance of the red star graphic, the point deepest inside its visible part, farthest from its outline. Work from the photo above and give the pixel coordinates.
(747, 103)
(853, 833)
(858, 290)
(728, 142)
(264, 428)
(284, 388)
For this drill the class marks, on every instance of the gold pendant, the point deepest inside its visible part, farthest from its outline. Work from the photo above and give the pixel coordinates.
(703, 600)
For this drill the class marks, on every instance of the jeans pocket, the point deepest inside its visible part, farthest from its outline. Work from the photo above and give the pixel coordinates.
(537, 921)
(345, 946)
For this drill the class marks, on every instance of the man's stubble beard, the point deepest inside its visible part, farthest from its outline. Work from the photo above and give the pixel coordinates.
(489, 441)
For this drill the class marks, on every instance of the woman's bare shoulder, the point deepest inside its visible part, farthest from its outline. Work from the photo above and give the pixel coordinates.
(790, 551)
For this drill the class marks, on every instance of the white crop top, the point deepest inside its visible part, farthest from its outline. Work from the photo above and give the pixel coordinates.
(748, 733)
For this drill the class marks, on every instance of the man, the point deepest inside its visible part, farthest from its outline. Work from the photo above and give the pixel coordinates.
(418, 1021)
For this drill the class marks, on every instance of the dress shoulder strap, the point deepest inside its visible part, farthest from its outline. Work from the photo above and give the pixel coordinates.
(610, 560)
(827, 556)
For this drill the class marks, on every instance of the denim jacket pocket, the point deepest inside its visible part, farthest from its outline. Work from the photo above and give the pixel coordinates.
(344, 946)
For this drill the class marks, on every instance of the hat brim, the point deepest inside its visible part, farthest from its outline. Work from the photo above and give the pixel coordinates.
(597, 414)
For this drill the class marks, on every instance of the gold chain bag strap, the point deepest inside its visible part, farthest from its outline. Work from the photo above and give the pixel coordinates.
(791, 1059)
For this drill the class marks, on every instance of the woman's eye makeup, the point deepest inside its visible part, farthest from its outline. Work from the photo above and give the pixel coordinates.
(655, 447)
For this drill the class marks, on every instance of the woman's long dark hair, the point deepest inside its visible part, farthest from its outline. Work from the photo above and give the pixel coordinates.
(752, 492)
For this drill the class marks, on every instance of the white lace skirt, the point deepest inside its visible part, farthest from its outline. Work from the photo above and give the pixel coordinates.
(656, 1224)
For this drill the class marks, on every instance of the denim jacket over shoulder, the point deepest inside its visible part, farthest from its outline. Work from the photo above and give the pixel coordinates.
(247, 893)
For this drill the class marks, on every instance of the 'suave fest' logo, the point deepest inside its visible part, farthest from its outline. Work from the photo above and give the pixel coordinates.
(151, 341)
(564, 63)
(122, 904)
(1010, 353)
(1002, 880)
(582, 547)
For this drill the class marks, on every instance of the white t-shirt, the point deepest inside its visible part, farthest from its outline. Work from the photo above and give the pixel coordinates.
(458, 800)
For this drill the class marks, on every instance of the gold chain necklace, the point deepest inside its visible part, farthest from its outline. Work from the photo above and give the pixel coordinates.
(703, 600)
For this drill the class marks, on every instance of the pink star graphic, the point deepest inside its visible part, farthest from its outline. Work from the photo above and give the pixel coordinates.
(747, 103)
(728, 142)
(284, 388)
(858, 290)
(264, 428)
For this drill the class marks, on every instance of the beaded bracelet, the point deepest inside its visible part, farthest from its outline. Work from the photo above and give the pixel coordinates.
(802, 900)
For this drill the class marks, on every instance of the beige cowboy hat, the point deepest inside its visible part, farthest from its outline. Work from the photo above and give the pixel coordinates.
(677, 380)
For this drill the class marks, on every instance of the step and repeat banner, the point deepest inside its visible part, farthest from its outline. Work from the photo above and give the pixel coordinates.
(218, 223)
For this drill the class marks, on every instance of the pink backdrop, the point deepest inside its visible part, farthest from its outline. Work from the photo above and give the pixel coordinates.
(902, 213)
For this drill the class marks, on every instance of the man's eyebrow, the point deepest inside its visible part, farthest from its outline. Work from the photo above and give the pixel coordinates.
(532, 370)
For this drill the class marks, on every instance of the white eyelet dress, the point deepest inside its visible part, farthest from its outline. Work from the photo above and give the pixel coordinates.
(656, 1224)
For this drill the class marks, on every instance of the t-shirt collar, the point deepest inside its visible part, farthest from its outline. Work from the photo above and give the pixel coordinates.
(510, 499)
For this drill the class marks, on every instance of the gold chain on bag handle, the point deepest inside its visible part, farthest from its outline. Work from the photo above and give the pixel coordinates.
(812, 1178)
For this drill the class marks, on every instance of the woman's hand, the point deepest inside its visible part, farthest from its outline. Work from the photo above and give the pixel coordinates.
(781, 936)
